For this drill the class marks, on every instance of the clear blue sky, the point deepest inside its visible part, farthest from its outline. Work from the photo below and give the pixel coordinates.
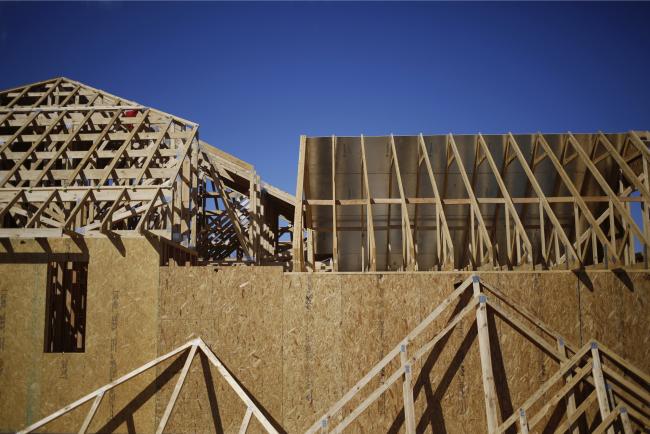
(257, 75)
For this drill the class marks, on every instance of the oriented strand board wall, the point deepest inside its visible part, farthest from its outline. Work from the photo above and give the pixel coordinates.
(121, 324)
(297, 342)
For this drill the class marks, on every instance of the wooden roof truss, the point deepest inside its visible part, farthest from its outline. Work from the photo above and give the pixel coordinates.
(77, 161)
(619, 391)
(190, 348)
(473, 202)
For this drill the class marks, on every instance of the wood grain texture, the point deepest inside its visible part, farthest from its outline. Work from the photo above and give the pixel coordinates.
(297, 342)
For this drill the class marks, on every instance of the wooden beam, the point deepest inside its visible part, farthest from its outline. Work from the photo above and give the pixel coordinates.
(141, 226)
(506, 196)
(474, 204)
(407, 391)
(63, 148)
(13, 137)
(176, 391)
(298, 257)
(335, 237)
(608, 190)
(244, 423)
(627, 171)
(237, 388)
(489, 388)
(151, 153)
(372, 251)
(91, 413)
(69, 222)
(440, 212)
(566, 179)
(30, 151)
(11, 203)
(411, 260)
(35, 217)
(599, 385)
(542, 197)
(108, 218)
(126, 143)
(103, 389)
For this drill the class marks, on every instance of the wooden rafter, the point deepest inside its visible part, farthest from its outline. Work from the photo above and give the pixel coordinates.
(566, 179)
(506, 195)
(475, 209)
(372, 251)
(608, 190)
(411, 263)
(445, 238)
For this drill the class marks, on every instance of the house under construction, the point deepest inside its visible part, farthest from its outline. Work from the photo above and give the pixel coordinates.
(150, 282)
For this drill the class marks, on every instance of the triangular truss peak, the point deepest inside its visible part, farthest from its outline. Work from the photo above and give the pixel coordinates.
(77, 161)
(194, 346)
(619, 391)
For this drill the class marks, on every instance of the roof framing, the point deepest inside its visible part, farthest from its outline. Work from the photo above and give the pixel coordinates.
(541, 201)
(78, 161)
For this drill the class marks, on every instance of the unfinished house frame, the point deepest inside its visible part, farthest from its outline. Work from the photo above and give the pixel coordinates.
(475, 283)
(619, 391)
(77, 161)
(472, 202)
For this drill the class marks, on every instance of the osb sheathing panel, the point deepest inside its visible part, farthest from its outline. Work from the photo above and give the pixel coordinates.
(519, 365)
(238, 313)
(121, 330)
(21, 344)
(615, 310)
(297, 342)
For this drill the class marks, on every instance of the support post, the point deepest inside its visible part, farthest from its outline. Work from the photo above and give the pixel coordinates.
(599, 384)
(523, 421)
(489, 388)
(625, 421)
(298, 260)
(407, 391)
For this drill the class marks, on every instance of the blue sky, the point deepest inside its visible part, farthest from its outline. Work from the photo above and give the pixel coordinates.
(257, 75)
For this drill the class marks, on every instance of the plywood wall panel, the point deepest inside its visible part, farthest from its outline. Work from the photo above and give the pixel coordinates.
(362, 345)
(614, 308)
(298, 341)
(297, 411)
(121, 330)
